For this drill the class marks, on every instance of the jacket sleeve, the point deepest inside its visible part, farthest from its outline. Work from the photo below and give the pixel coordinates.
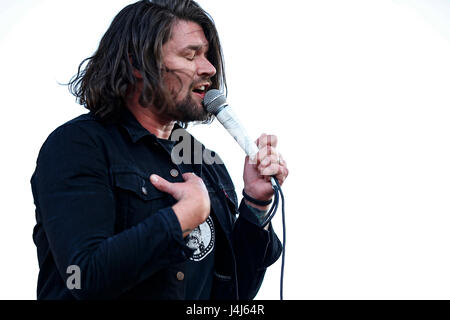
(76, 207)
(255, 249)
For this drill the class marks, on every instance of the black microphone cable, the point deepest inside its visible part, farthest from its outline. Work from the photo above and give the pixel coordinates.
(273, 210)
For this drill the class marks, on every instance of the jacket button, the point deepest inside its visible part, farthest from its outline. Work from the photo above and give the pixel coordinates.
(174, 173)
(144, 191)
(180, 276)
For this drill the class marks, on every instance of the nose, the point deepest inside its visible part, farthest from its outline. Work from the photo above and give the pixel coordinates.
(205, 68)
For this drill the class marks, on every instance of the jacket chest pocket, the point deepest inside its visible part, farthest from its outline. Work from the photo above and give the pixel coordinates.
(136, 198)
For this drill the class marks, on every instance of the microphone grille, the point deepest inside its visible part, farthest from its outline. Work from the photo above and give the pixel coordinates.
(214, 100)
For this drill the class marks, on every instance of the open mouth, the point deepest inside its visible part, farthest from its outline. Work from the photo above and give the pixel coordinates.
(201, 89)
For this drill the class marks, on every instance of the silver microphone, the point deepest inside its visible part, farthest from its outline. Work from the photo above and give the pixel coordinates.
(215, 102)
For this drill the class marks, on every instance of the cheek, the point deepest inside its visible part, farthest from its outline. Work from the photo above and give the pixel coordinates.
(178, 85)
(179, 81)
(171, 81)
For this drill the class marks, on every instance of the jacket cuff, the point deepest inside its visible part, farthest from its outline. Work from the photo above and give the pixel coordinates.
(248, 214)
(268, 240)
(178, 250)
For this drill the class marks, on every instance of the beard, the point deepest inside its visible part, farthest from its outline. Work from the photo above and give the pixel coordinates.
(187, 111)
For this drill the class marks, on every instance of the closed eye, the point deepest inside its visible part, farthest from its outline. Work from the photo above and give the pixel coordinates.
(190, 52)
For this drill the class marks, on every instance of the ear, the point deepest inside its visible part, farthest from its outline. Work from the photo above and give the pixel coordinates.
(136, 73)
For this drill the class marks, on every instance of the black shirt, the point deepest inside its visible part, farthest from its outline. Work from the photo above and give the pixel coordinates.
(199, 268)
(97, 210)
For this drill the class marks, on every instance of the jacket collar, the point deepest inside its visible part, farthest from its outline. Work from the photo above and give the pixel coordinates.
(135, 130)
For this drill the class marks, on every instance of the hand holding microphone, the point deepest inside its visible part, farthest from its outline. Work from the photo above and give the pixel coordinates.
(263, 161)
(259, 174)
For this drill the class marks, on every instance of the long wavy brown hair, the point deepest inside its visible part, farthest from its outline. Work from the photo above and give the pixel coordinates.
(134, 42)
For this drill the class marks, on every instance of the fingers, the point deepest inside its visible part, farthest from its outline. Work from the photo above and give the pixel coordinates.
(267, 140)
(176, 189)
(162, 184)
(266, 145)
(272, 169)
(192, 177)
(273, 165)
(266, 152)
(283, 173)
(189, 176)
(269, 159)
(278, 171)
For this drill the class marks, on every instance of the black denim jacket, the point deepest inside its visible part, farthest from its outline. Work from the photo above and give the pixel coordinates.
(97, 210)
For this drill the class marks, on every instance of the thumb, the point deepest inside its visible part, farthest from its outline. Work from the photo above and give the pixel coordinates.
(162, 184)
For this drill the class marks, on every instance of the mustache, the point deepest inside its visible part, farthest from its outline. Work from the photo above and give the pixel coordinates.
(179, 72)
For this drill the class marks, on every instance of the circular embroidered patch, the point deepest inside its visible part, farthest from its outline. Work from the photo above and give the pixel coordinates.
(202, 240)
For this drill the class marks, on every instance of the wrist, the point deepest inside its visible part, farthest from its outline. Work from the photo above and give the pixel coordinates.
(257, 207)
(180, 214)
(259, 204)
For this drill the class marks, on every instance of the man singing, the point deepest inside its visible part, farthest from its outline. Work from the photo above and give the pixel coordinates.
(116, 217)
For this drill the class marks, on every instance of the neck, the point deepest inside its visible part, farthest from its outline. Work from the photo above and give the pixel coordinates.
(150, 119)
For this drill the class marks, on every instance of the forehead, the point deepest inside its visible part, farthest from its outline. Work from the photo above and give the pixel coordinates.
(185, 34)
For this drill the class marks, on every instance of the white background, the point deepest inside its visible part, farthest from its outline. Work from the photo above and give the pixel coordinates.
(357, 91)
